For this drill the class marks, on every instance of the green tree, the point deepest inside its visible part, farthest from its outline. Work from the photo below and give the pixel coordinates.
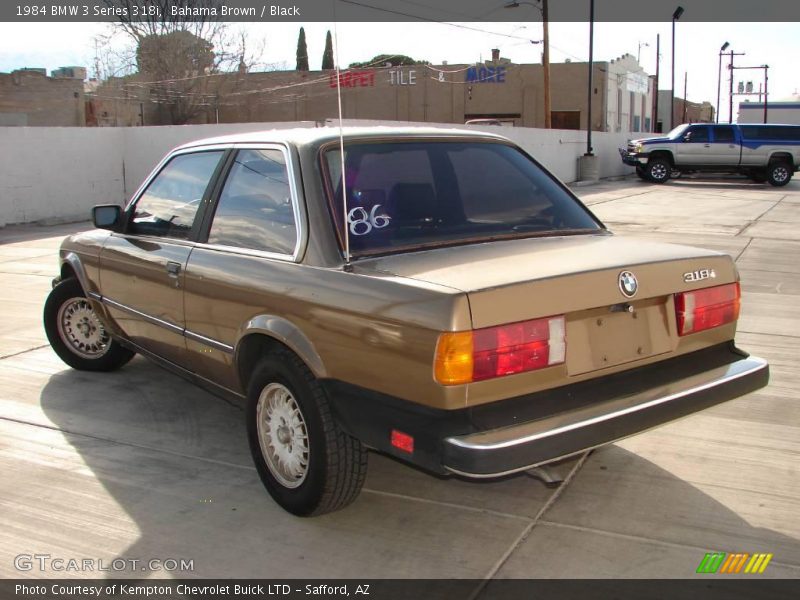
(327, 56)
(302, 51)
(395, 60)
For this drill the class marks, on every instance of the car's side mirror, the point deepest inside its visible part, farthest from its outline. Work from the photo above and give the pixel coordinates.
(687, 137)
(107, 216)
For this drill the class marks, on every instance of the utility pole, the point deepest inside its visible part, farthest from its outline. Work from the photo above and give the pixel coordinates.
(719, 76)
(655, 94)
(730, 92)
(675, 16)
(685, 96)
(546, 65)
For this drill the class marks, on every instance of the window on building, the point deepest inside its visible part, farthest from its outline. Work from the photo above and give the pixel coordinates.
(565, 119)
(168, 206)
(255, 208)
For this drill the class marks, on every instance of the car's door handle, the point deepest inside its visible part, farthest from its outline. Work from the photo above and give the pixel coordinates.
(706, 145)
(173, 268)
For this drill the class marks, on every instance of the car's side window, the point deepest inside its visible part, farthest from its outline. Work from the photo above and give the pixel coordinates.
(168, 206)
(255, 208)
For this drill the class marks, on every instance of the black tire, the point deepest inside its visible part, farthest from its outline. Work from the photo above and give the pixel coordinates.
(77, 334)
(658, 170)
(779, 173)
(642, 173)
(335, 463)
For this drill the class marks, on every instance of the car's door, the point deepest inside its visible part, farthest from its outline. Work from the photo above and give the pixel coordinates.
(245, 261)
(693, 147)
(723, 149)
(142, 267)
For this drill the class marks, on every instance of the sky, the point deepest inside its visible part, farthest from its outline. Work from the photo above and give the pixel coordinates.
(52, 45)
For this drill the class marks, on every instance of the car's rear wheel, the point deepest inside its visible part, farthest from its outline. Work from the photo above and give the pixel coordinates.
(658, 170)
(308, 464)
(76, 332)
(779, 174)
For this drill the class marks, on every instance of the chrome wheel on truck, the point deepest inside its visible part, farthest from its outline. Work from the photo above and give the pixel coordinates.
(658, 170)
(779, 174)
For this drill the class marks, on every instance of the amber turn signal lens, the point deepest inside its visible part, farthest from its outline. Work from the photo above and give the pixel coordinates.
(453, 363)
(489, 352)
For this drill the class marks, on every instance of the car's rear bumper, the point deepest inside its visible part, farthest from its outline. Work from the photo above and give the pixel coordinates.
(524, 431)
(516, 447)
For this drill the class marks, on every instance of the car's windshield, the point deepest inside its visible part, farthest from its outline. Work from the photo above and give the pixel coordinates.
(678, 131)
(414, 194)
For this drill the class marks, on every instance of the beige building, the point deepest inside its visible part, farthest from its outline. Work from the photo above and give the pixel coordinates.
(622, 96)
(30, 97)
(686, 111)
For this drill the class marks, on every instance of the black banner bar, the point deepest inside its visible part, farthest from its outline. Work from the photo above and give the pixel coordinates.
(711, 587)
(712, 11)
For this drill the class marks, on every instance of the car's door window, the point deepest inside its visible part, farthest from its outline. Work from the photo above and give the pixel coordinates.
(168, 206)
(255, 209)
(697, 134)
(723, 134)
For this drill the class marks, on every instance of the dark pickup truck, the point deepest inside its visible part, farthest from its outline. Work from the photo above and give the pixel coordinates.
(762, 152)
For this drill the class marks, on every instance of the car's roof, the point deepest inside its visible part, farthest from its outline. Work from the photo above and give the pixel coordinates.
(318, 135)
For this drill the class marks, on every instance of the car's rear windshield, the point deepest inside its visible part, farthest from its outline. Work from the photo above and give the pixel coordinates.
(405, 195)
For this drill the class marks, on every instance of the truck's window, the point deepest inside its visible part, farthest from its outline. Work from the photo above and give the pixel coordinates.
(771, 132)
(169, 204)
(255, 208)
(723, 134)
(697, 134)
(403, 195)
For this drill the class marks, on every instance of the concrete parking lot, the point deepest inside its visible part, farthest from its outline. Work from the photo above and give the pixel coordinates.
(139, 464)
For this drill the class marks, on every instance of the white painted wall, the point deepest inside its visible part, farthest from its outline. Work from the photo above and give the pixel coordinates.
(56, 174)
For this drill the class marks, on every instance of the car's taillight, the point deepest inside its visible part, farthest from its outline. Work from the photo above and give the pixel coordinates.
(467, 356)
(707, 308)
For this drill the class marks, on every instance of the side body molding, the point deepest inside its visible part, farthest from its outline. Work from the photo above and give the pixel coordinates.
(286, 332)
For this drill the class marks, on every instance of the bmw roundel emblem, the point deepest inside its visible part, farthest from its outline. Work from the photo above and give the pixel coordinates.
(628, 284)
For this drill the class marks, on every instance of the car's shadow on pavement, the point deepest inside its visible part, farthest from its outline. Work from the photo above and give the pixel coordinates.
(176, 481)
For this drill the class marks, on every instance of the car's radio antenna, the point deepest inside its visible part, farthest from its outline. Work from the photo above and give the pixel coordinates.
(347, 265)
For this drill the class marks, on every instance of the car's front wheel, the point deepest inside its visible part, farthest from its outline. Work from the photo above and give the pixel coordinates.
(779, 174)
(76, 332)
(658, 170)
(308, 464)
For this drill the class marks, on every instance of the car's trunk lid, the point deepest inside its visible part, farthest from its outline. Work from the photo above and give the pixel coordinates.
(579, 277)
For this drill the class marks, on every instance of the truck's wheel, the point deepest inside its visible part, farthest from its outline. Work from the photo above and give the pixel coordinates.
(307, 463)
(658, 170)
(77, 334)
(779, 174)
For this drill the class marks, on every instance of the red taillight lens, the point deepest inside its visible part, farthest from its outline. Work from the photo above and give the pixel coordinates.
(707, 308)
(481, 354)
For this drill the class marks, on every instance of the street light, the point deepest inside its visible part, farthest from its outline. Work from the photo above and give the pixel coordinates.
(545, 54)
(639, 51)
(675, 16)
(719, 75)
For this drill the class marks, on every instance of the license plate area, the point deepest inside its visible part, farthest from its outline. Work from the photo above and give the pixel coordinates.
(612, 335)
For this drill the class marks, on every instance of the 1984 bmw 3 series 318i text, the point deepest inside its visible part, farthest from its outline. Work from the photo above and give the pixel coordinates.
(448, 302)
